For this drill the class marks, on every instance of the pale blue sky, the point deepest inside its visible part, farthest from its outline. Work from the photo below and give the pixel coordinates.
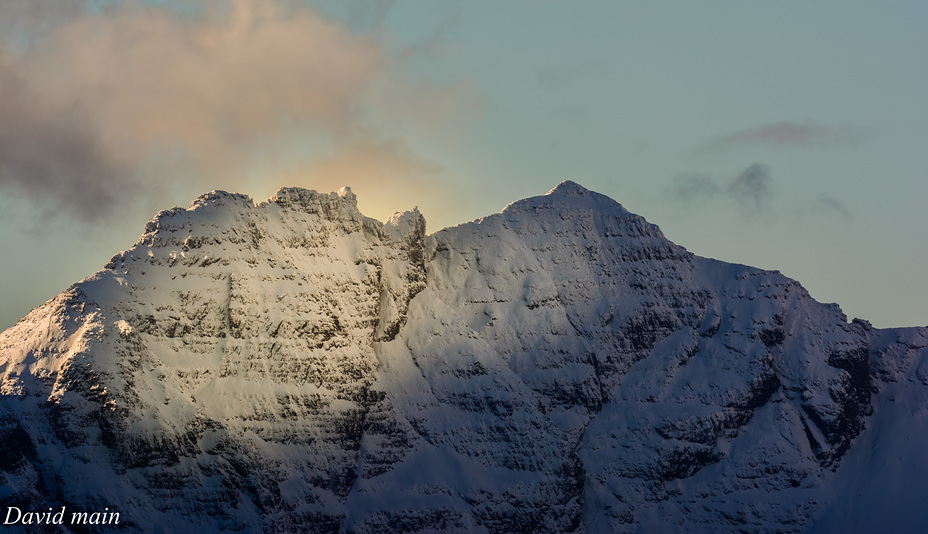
(785, 135)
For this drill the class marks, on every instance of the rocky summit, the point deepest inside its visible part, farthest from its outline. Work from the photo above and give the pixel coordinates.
(295, 366)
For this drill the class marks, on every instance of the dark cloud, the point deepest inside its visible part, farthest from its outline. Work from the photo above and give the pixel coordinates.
(829, 204)
(694, 188)
(786, 134)
(751, 189)
(54, 157)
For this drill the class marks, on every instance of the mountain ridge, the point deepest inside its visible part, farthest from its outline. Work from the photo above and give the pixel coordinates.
(558, 366)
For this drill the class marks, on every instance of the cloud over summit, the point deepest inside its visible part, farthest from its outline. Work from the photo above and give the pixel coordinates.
(131, 99)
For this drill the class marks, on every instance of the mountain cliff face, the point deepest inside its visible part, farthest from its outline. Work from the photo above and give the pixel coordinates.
(294, 366)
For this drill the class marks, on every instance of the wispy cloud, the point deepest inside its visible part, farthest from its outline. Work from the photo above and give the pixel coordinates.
(751, 189)
(563, 73)
(693, 188)
(829, 204)
(369, 14)
(101, 108)
(786, 134)
(435, 40)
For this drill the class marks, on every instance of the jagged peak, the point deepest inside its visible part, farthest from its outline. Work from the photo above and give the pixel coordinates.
(218, 197)
(404, 223)
(345, 192)
(341, 203)
(213, 199)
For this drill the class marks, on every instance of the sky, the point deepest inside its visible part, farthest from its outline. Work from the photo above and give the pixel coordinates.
(786, 135)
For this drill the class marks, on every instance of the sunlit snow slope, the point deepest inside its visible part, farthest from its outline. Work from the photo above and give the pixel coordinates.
(294, 366)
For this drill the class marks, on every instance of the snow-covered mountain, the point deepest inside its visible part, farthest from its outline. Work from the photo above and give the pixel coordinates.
(294, 366)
